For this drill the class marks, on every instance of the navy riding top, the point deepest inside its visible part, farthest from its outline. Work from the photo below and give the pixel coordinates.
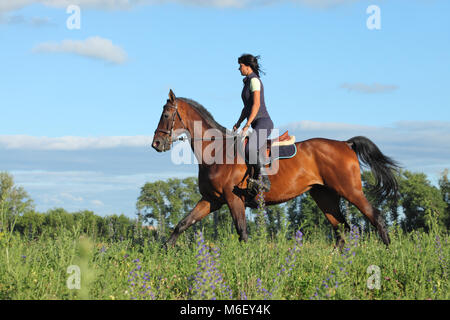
(247, 98)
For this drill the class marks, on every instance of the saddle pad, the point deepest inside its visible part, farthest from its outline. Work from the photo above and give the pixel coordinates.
(284, 152)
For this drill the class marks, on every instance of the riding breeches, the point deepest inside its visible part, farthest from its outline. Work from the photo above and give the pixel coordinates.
(262, 128)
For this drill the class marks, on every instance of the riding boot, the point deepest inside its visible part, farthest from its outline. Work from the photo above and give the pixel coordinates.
(253, 182)
(264, 177)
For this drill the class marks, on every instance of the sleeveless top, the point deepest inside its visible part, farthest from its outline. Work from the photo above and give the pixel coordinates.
(247, 98)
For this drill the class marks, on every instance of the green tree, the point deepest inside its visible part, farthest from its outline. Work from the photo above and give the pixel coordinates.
(444, 185)
(58, 219)
(118, 227)
(165, 203)
(418, 198)
(14, 201)
(88, 222)
(293, 214)
(152, 204)
(31, 224)
(276, 219)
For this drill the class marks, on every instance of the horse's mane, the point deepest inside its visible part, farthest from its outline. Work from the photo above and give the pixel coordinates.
(205, 114)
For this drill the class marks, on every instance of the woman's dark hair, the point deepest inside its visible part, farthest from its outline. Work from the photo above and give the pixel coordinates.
(251, 61)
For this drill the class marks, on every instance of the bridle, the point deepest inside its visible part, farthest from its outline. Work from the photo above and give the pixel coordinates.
(170, 131)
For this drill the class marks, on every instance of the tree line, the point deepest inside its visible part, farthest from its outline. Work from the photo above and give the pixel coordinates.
(161, 204)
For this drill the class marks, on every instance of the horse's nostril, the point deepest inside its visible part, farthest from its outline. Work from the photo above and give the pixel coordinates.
(156, 144)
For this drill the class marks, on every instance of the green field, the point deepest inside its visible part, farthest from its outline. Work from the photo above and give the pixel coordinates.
(62, 255)
(415, 266)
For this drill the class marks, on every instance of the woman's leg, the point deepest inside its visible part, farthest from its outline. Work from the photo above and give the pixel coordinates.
(257, 140)
(257, 148)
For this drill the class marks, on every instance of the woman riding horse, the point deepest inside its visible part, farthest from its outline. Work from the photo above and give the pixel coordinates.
(255, 111)
(328, 169)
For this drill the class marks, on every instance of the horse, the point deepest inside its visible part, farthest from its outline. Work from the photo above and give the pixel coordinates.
(328, 169)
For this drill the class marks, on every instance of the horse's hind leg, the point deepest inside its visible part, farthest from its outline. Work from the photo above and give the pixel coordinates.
(328, 201)
(201, 210)
(358, 198)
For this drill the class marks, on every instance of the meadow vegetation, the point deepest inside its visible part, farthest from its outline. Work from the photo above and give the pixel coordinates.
(283, 259)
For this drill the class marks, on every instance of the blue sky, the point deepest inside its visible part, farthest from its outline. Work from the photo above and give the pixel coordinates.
(79, 107)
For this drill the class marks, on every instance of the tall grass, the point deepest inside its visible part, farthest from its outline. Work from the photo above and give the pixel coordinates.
(414, 266)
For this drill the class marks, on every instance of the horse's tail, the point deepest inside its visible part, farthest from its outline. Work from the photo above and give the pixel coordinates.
(382, 166)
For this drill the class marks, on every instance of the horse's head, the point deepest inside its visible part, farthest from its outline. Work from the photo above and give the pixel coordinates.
(169, 122)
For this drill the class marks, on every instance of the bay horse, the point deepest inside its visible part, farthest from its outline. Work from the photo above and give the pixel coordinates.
(328, 169)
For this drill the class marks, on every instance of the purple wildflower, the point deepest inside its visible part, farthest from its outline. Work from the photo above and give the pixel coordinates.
(285, 268)
(138, 283)
(292, 257)
(208, 281)
(346, 255)
(266, 294)
(442, 260)
(260, 212)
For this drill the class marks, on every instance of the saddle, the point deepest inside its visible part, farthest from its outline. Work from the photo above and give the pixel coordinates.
(284, 140)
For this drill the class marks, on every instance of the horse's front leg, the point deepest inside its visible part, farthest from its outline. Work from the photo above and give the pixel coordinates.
(237, 210)
(201, 210)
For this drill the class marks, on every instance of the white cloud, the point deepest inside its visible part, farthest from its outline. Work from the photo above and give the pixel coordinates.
(22, 20)
(11, 5)
(97, 4)
(93, 47)
(71, 197)
(366, 88)
(212, 3)
(323, 3)
(307, 125)
(69, 143)
(97, 203)
(8, 5)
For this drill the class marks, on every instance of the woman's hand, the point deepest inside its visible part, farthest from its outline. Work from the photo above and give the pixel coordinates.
(236, 126)
(244, 130)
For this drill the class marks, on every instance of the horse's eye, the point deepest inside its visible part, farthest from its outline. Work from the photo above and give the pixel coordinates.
(166, 115)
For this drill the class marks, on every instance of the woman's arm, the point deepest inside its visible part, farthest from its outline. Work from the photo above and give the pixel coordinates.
(241, 118)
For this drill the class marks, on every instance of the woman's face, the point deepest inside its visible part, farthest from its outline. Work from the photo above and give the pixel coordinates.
(245, 70)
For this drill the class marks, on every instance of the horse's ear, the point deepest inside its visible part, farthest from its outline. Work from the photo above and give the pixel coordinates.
(172, 96)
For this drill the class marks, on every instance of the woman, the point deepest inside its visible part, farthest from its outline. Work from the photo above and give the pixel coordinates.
(255, 112)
